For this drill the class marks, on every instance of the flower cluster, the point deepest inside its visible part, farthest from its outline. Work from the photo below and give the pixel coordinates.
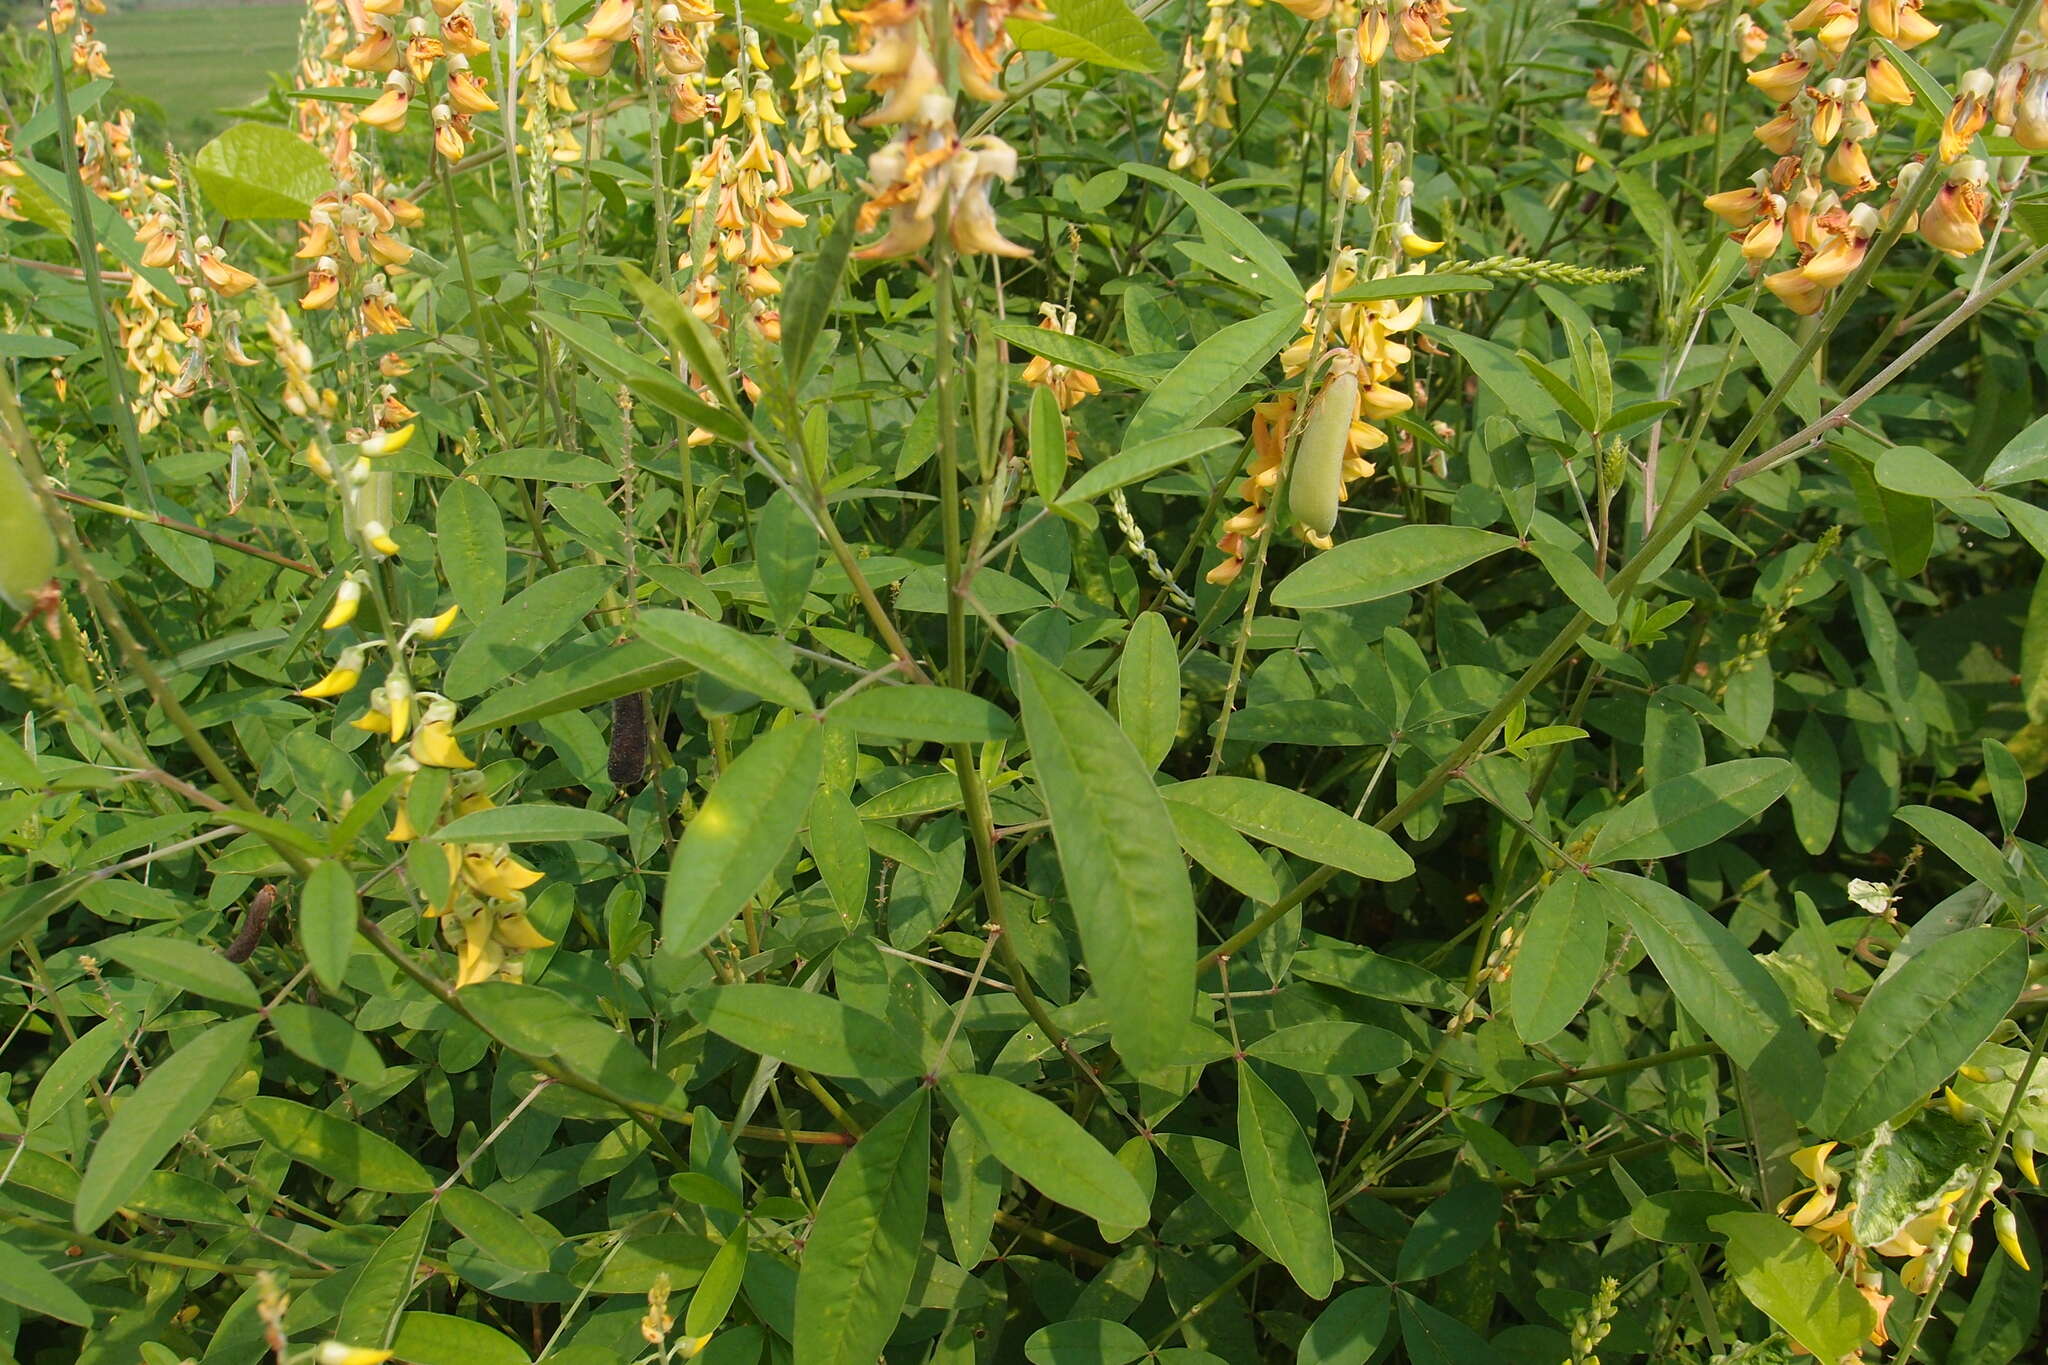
(1068, 385)
(927, 165)
(819, 89)
(739, 207)
(1359, 366)
(1824, 123)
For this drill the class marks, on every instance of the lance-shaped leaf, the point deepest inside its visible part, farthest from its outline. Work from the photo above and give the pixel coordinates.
(862, 1251)
(803, 1028)
(740, 833)
(1036, 1139)
(1919, 1023)
(1686, 812)
(1393, 561)
(1117, 847)
(1286, 1184)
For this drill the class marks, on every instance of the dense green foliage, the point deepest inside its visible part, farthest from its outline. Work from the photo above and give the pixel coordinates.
(623, 759)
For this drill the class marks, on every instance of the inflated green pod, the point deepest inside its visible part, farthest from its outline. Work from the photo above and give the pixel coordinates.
(1318, 474)
(28, 552)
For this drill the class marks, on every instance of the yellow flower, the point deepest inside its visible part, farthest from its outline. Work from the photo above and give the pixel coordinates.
(386, 442)
(334, 1353)
(347, 670)
(1818, 1200)
(435, 744)
(347, 599)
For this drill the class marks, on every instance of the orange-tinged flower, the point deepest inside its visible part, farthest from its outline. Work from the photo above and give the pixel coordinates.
(389, 109)
(228, 280)
(1901, 21)
(1796, 291)
(1883, 84)
(378, 51)
(1953, 222)
(1779, 134)
(1783, 79)
(1967, 115)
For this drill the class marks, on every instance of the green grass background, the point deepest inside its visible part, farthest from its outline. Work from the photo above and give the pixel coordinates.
(191, 59)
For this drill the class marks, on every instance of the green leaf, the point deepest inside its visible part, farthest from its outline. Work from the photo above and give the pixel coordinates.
(516, 633)
(786, 556)
(862, 1252)
(1037, 1140)
(1048, 432)
(1349, 1330)
(1285, 1183)
(1300, 824)
(497, 1232)
(1231, 230)
(1527, 402)
(1222, 852)
(1922, 473)
(1731, 994)
(940, 715)
(1099, 32)
(370, 1314)
(1074, 352)
(1921, 1021)
(25, 1283)
(2023, 458)
(1964, 846)
(813, 288)
(1084, 1341)
(441, 1339)
(75, 1068)
(590, 681)
(1142, 460)
(327, 1040)
(808, 1030)
(970, 1192)
(177, 1091)
(719, 1287)
(1121, 859)
(327, 922)
(529, 824)
(1683, 1215)
(1775, 352)
(1209, 376)
(1562, 953)
(739, 834)
(1148, 688)
(1684, 813)
(1390, 562)
(1575, 581)
(541, 463)
(1796, 1284)
(612, 360)
(733, 657)
(1449, 1231)
(341, 1149)
(469, 538)
(185, 966)
(262, 170)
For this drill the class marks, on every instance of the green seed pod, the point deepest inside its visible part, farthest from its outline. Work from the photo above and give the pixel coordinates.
(28, 552)
(1318, 473)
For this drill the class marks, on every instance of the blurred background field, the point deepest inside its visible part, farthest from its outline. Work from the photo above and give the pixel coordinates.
(191, 59)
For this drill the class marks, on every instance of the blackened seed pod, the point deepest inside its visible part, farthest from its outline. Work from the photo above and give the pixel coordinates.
(253, 922)
(628, 760)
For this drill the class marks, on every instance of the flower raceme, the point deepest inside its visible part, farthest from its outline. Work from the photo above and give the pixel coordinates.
(1359, 368)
